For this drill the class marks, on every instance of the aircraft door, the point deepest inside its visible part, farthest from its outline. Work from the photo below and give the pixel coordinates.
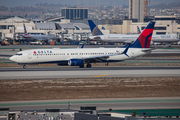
(80, 54)
(29, 55)
(132, 52)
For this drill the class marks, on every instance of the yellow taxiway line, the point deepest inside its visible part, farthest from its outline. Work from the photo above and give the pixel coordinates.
(102, 75)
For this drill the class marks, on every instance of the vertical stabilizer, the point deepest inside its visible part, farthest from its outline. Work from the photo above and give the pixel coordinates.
(94, 29)
(144, 39)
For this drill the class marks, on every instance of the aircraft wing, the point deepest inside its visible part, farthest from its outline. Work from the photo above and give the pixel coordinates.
(129, 41)
(146, 50)
(8, 37)
(95, 37)
(104, 57)
(99, 58)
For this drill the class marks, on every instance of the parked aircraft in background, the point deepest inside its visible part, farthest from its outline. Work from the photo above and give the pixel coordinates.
(126, 38)
(162, 38)
(79, 56)
(35, 37)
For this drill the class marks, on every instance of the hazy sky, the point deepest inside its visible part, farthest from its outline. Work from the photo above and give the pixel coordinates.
(13, 3)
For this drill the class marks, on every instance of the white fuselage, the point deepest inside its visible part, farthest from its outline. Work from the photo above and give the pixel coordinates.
(121, 38)
(63, 55)
(37, 37)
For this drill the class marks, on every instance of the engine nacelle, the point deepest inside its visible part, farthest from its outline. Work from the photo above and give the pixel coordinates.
(75, 62)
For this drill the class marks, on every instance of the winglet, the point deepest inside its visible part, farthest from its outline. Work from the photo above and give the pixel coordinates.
(94, 29)
(82, 46)
(125, 51)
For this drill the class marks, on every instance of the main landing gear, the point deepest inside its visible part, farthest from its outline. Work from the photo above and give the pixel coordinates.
(106, 63)
(88, 66)
(82, 66)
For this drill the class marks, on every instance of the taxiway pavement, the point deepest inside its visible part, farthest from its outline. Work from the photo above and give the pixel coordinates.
(94, 72)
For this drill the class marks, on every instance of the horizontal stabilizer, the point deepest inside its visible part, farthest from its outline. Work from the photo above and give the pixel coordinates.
(146, 50)
(128, 42)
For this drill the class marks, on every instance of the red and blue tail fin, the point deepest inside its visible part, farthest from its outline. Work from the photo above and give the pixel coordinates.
(144, 39)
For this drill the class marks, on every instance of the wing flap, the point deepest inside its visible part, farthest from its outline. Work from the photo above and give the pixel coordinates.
(99, 58)
(146, 50)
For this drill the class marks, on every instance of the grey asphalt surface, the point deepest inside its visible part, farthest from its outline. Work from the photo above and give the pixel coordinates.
(76, 72)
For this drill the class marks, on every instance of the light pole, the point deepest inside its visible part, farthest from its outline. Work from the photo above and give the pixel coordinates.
(49, 22)
(12, 25)
(69, 104)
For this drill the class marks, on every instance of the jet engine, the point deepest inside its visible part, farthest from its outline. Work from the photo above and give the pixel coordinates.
(75, 62)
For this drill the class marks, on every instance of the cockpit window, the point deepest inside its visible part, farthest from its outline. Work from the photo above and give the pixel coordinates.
(19, 54)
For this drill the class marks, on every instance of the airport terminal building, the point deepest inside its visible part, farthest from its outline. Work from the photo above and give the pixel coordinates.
(11, 28)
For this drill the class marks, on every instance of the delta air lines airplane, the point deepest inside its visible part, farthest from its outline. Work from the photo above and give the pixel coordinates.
(81, 56)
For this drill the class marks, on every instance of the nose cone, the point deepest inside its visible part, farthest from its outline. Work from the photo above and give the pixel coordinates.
(13, 58)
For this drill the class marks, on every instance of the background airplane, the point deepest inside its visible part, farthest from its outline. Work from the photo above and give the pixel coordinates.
(138, 30)
(162, 38)
(79, 57)
(125, 38)
(40, 37)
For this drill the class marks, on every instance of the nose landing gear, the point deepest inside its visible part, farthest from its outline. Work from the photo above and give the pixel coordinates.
(24, 66)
